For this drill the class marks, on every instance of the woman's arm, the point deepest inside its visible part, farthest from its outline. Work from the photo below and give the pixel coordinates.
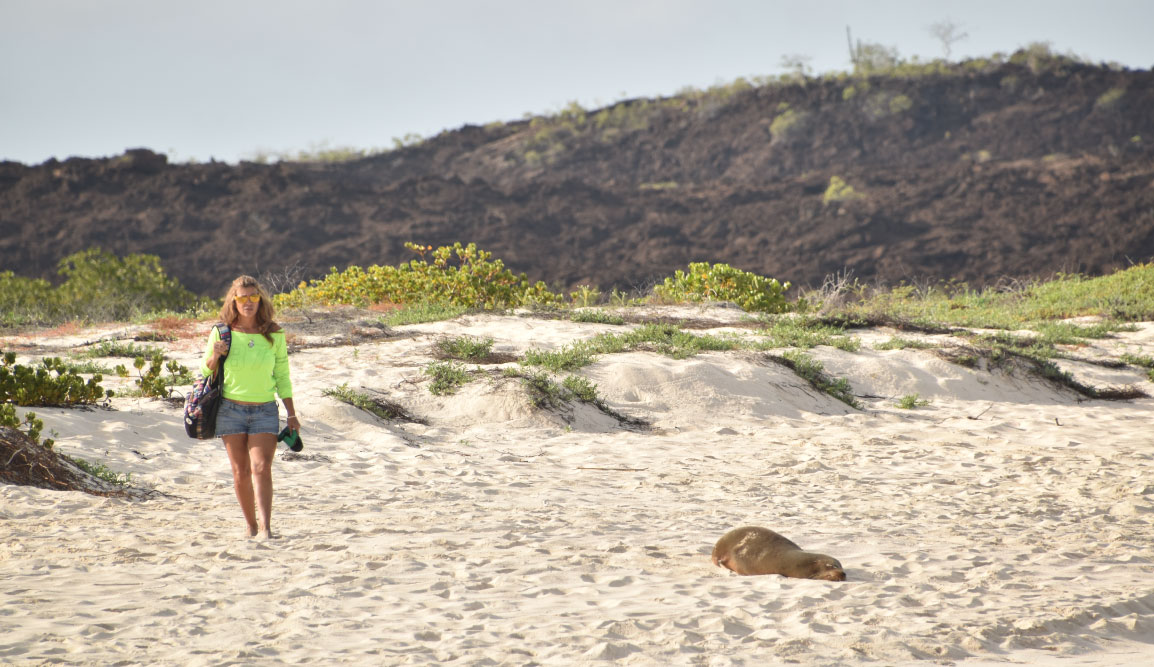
(212, 353)
(293, 422)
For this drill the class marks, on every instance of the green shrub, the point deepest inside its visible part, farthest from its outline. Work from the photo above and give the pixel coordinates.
(98, 286)
(86, 367)
(49, 384)
(475, 281)
(582, 388)
(447, 377)
(153, 383)
(1109, 98)
(568, 358)
(585, 296)
(786, 125)
(116, 348)
(839, 191)
(900, 104)
(543, 391)
(721, 282)
(103, 472)
(911, 401)
(25, 300)
(31, 425)
(660, 185)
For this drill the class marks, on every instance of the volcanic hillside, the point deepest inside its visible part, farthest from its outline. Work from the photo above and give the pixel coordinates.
(976, 172)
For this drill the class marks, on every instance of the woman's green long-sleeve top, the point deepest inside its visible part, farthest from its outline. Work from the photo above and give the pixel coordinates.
(255, 371)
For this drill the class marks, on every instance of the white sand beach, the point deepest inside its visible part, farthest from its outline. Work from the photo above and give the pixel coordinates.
(1008, 521)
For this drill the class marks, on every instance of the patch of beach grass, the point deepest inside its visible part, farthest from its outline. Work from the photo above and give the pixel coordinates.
(447, 377)
(465, 348)
(568, 358)
(805, 333)
(596, 316)
(911, 401)
(102, 472)
(421, 313)
(1142, 362)
(381, 407)
(116, 348)
(1124, 296)
(899, 343)
(811, 370)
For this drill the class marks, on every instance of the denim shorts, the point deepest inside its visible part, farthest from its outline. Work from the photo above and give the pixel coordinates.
(237, 418)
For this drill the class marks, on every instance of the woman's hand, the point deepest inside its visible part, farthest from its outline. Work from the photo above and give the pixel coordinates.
(294, 424)
(220, 348)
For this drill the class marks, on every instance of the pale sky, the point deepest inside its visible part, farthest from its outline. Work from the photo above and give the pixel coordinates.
(225, 79)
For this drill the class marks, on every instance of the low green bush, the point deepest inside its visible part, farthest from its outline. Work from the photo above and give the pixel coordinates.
(1110, 98)
(594, 316)
(582, 388)
(465, 348)
(839, 191)
(474, 281)
(568, 358)
(585, 296)
(152, 382)
(543, 391)
(447, 377)
(721, 282)
(49, 383)
(116, 348)
(911, 401)
(97, 286)
(786, 125)
(31, 425)
(102, 472)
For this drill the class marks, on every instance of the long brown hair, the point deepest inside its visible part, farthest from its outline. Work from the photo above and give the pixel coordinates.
(264, 310)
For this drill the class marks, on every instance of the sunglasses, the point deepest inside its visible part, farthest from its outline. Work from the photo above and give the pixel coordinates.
(251, 298)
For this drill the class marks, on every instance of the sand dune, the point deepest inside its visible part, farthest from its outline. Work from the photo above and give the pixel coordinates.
(1008, 521)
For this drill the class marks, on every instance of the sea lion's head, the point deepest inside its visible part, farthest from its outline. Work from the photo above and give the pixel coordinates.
(825, 568)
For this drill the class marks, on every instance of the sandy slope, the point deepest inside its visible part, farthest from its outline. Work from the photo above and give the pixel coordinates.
(1006, 522)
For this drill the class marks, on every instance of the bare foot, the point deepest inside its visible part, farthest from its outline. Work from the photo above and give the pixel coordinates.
(265, 534)
(250, 532)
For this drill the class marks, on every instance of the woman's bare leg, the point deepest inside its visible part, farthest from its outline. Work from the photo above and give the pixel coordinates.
(261, 452)
(238, 448)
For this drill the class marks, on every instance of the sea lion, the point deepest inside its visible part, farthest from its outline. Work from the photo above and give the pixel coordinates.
(755, 550)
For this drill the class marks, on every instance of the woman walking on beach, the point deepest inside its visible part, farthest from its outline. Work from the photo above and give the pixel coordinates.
(256, 371)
